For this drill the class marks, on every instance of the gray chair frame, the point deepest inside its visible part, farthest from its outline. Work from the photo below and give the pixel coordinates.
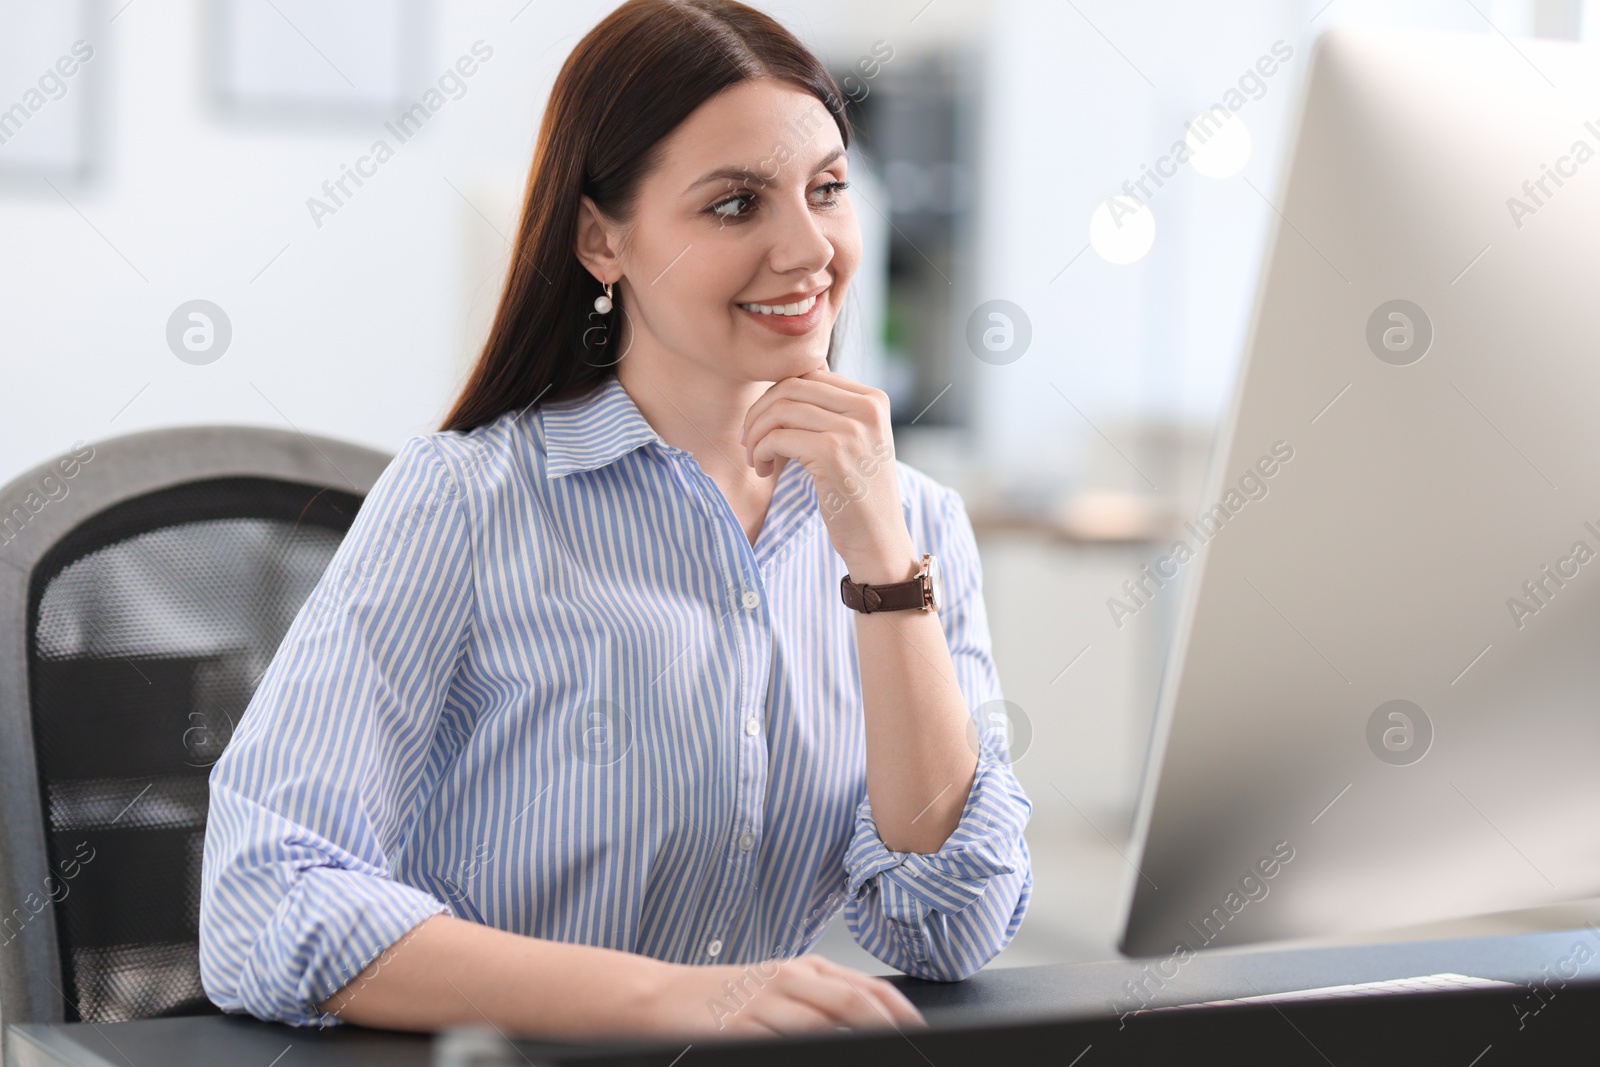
(121, 469)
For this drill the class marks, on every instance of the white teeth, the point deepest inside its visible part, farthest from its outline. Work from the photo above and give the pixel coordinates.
(781, 309)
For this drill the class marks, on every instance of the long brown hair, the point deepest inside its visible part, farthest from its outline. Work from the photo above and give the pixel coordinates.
(628, 84)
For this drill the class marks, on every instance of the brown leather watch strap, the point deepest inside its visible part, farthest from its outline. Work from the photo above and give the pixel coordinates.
(895, 596)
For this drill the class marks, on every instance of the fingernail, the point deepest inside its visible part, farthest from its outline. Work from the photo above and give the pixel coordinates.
(741, 435)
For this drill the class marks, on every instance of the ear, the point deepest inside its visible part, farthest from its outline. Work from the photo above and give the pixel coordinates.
(596, 242)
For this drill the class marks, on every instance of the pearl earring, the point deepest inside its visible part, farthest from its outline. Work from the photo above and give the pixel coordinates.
(602, 304)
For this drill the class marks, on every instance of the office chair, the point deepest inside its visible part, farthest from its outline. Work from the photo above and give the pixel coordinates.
(145, 583)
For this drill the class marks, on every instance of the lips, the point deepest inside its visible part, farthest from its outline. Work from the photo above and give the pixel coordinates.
(792, 304)
(799, 307)
(791, 324)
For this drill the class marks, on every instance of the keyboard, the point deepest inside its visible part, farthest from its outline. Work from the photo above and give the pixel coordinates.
(1421, 984)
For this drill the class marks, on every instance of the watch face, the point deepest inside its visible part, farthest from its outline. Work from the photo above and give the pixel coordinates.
(935, 584)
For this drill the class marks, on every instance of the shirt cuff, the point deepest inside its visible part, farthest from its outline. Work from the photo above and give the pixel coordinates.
(336, 916)
(985, 843)
(347, 920)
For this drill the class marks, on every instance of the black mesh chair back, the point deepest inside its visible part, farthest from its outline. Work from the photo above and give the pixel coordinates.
(143, 597)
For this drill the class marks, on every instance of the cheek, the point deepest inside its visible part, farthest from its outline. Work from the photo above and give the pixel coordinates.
(692, 278)
(716, 279)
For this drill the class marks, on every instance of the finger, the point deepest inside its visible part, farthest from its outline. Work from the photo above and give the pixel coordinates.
(795, 415)
(895, 1002)
(822, 394)
(746, 1024)
(839, 996)
(785, 441)
(888, 1002)
(862, 401)
(896, 1008)
(832, 377)
(829, 393)
(832, 998)
(786, 1015)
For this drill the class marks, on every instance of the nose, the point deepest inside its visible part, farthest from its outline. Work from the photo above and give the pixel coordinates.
(802, 243)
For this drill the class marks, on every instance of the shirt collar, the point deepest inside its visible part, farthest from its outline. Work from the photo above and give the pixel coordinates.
(582, 433)
(603, 425)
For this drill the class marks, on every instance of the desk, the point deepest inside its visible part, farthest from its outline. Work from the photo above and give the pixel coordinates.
(1060, 1008)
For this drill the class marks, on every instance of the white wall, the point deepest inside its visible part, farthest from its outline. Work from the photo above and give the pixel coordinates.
(1076, 98)
(361, 328)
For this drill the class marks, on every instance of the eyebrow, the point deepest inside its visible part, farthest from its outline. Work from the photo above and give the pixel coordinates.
(751, 174)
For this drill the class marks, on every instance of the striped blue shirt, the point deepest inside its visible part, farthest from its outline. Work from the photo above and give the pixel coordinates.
(547, 684)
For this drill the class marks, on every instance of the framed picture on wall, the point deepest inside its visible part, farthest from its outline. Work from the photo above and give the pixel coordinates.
(310, 60)
(53, 55)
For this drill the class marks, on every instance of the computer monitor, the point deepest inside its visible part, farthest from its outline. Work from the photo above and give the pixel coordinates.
(1382, 704)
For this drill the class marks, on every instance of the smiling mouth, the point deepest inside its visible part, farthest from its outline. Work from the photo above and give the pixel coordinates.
(796, 309)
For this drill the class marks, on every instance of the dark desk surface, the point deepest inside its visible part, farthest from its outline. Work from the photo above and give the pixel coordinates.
(1091, 992)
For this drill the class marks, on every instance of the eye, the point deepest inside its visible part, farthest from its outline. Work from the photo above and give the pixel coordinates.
(738, 207)
(833, 189)
(720, 210)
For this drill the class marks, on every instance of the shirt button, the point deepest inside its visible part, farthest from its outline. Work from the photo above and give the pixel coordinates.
(746, 840)
(714, 947)
(752, 726)
(751, 599)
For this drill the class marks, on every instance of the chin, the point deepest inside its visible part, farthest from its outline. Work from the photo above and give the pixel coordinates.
(778, 367)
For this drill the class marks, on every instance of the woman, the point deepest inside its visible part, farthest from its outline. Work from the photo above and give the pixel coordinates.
(581, 732)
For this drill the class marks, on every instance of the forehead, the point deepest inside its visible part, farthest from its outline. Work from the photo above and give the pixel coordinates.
(746, 126)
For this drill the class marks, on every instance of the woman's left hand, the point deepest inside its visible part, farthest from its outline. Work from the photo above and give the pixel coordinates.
(838, 430)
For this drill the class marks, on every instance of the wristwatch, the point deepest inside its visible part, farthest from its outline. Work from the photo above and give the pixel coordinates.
(922, 592)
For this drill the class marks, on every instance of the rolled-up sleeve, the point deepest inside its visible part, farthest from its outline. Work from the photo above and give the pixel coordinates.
(943, 915)
(315, 793)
